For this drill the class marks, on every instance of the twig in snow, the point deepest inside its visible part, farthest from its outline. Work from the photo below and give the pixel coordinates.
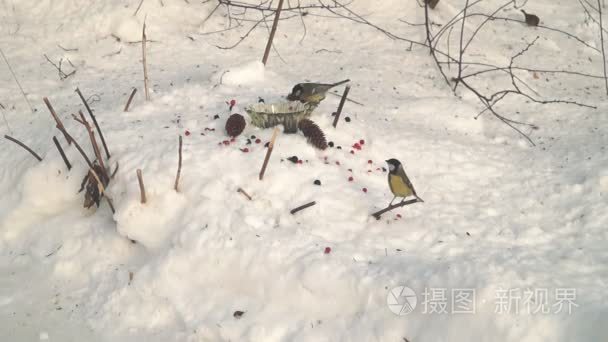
(24, 146)
(138, 7)
(66, 49)
(142, 188)
(65, 159)
(57, 120)
(179, 165)
(16, 80)
(348, 99)
(394, 206)
(130, 99)
(86, 105)
(599, 8)
(83, 121)
(62, 74)
(143, 52)
(10, 130)
(340, 106)
(302, 207)
(244, 193)
(275, 23)
(268, 152)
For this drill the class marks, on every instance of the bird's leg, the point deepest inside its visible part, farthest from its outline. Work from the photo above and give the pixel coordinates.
(392, 201)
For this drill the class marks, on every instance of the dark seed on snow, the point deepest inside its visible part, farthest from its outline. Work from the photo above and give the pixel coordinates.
(215, 117)
(238, 314)
(317, 182)
(293, 159)
(330, 144)
(347, 119)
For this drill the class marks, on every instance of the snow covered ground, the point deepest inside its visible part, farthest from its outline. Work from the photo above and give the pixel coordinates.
(500, 218)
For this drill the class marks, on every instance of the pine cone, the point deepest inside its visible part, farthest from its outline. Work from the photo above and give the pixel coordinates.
(314, 134)
(235, 125)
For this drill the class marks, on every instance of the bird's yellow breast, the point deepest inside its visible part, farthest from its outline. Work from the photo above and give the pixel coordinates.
(398, 186)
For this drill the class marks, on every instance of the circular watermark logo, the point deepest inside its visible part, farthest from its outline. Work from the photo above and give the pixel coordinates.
(401, 300)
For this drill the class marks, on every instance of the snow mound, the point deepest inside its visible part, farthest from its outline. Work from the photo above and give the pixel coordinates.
(244, 74)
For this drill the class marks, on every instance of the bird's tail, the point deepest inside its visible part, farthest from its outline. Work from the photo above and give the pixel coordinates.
(419, 199)
(341, 82)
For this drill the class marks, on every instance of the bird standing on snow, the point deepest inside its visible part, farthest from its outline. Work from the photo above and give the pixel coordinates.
(311, 92)
(398, 182)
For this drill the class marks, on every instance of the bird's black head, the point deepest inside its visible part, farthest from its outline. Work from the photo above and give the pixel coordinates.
(393, 165)
(295, 93)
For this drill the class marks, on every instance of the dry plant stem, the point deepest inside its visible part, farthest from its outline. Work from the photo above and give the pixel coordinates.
(341, 105)
(65, 159)
(57, 120)
(429, 40)
(100, 185)
(275, 23)
(302, 207)
(130, 99)
(394, 206)
(142, 188)
(16, 80)
(94, 144)
(268, 152)
(461, 49)
(86, 105)
(179, 165)
(599, 6)
(143, 52)
(24, 146)
(244, 193)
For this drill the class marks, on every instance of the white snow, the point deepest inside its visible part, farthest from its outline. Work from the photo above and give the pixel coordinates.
(498, 213)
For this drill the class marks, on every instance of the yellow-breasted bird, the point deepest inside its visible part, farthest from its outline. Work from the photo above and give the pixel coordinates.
(398, 182)
(311, 92)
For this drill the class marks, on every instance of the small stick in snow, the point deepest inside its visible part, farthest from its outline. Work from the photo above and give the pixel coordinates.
(57, 120)
(65, 159)
(16, 80)
(24, 146)
(143, 52)
(179, 165)
(275, 23)
(394, 206)
(142, 188)
(94, 144)
(244, 193)
(86, 105)
(341, 105)
(268, 152)
(302, 207)
(130, 99)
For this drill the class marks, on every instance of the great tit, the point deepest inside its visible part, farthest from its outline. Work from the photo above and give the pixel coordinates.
(311, 92)
(398, 182)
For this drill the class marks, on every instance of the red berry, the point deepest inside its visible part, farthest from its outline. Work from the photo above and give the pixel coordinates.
(226, 142)
(327, 250)
(362, 142)
(350, 179)
(232, 103)
(245, 149)
(299, 162)
(398, 215)
(369, 161)
(364, 189)
(232, 139)
(187, 133)
(257, 141)
(337, 162)
(352, 152)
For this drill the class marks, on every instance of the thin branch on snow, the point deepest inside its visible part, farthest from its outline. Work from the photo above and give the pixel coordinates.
(24, 146)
